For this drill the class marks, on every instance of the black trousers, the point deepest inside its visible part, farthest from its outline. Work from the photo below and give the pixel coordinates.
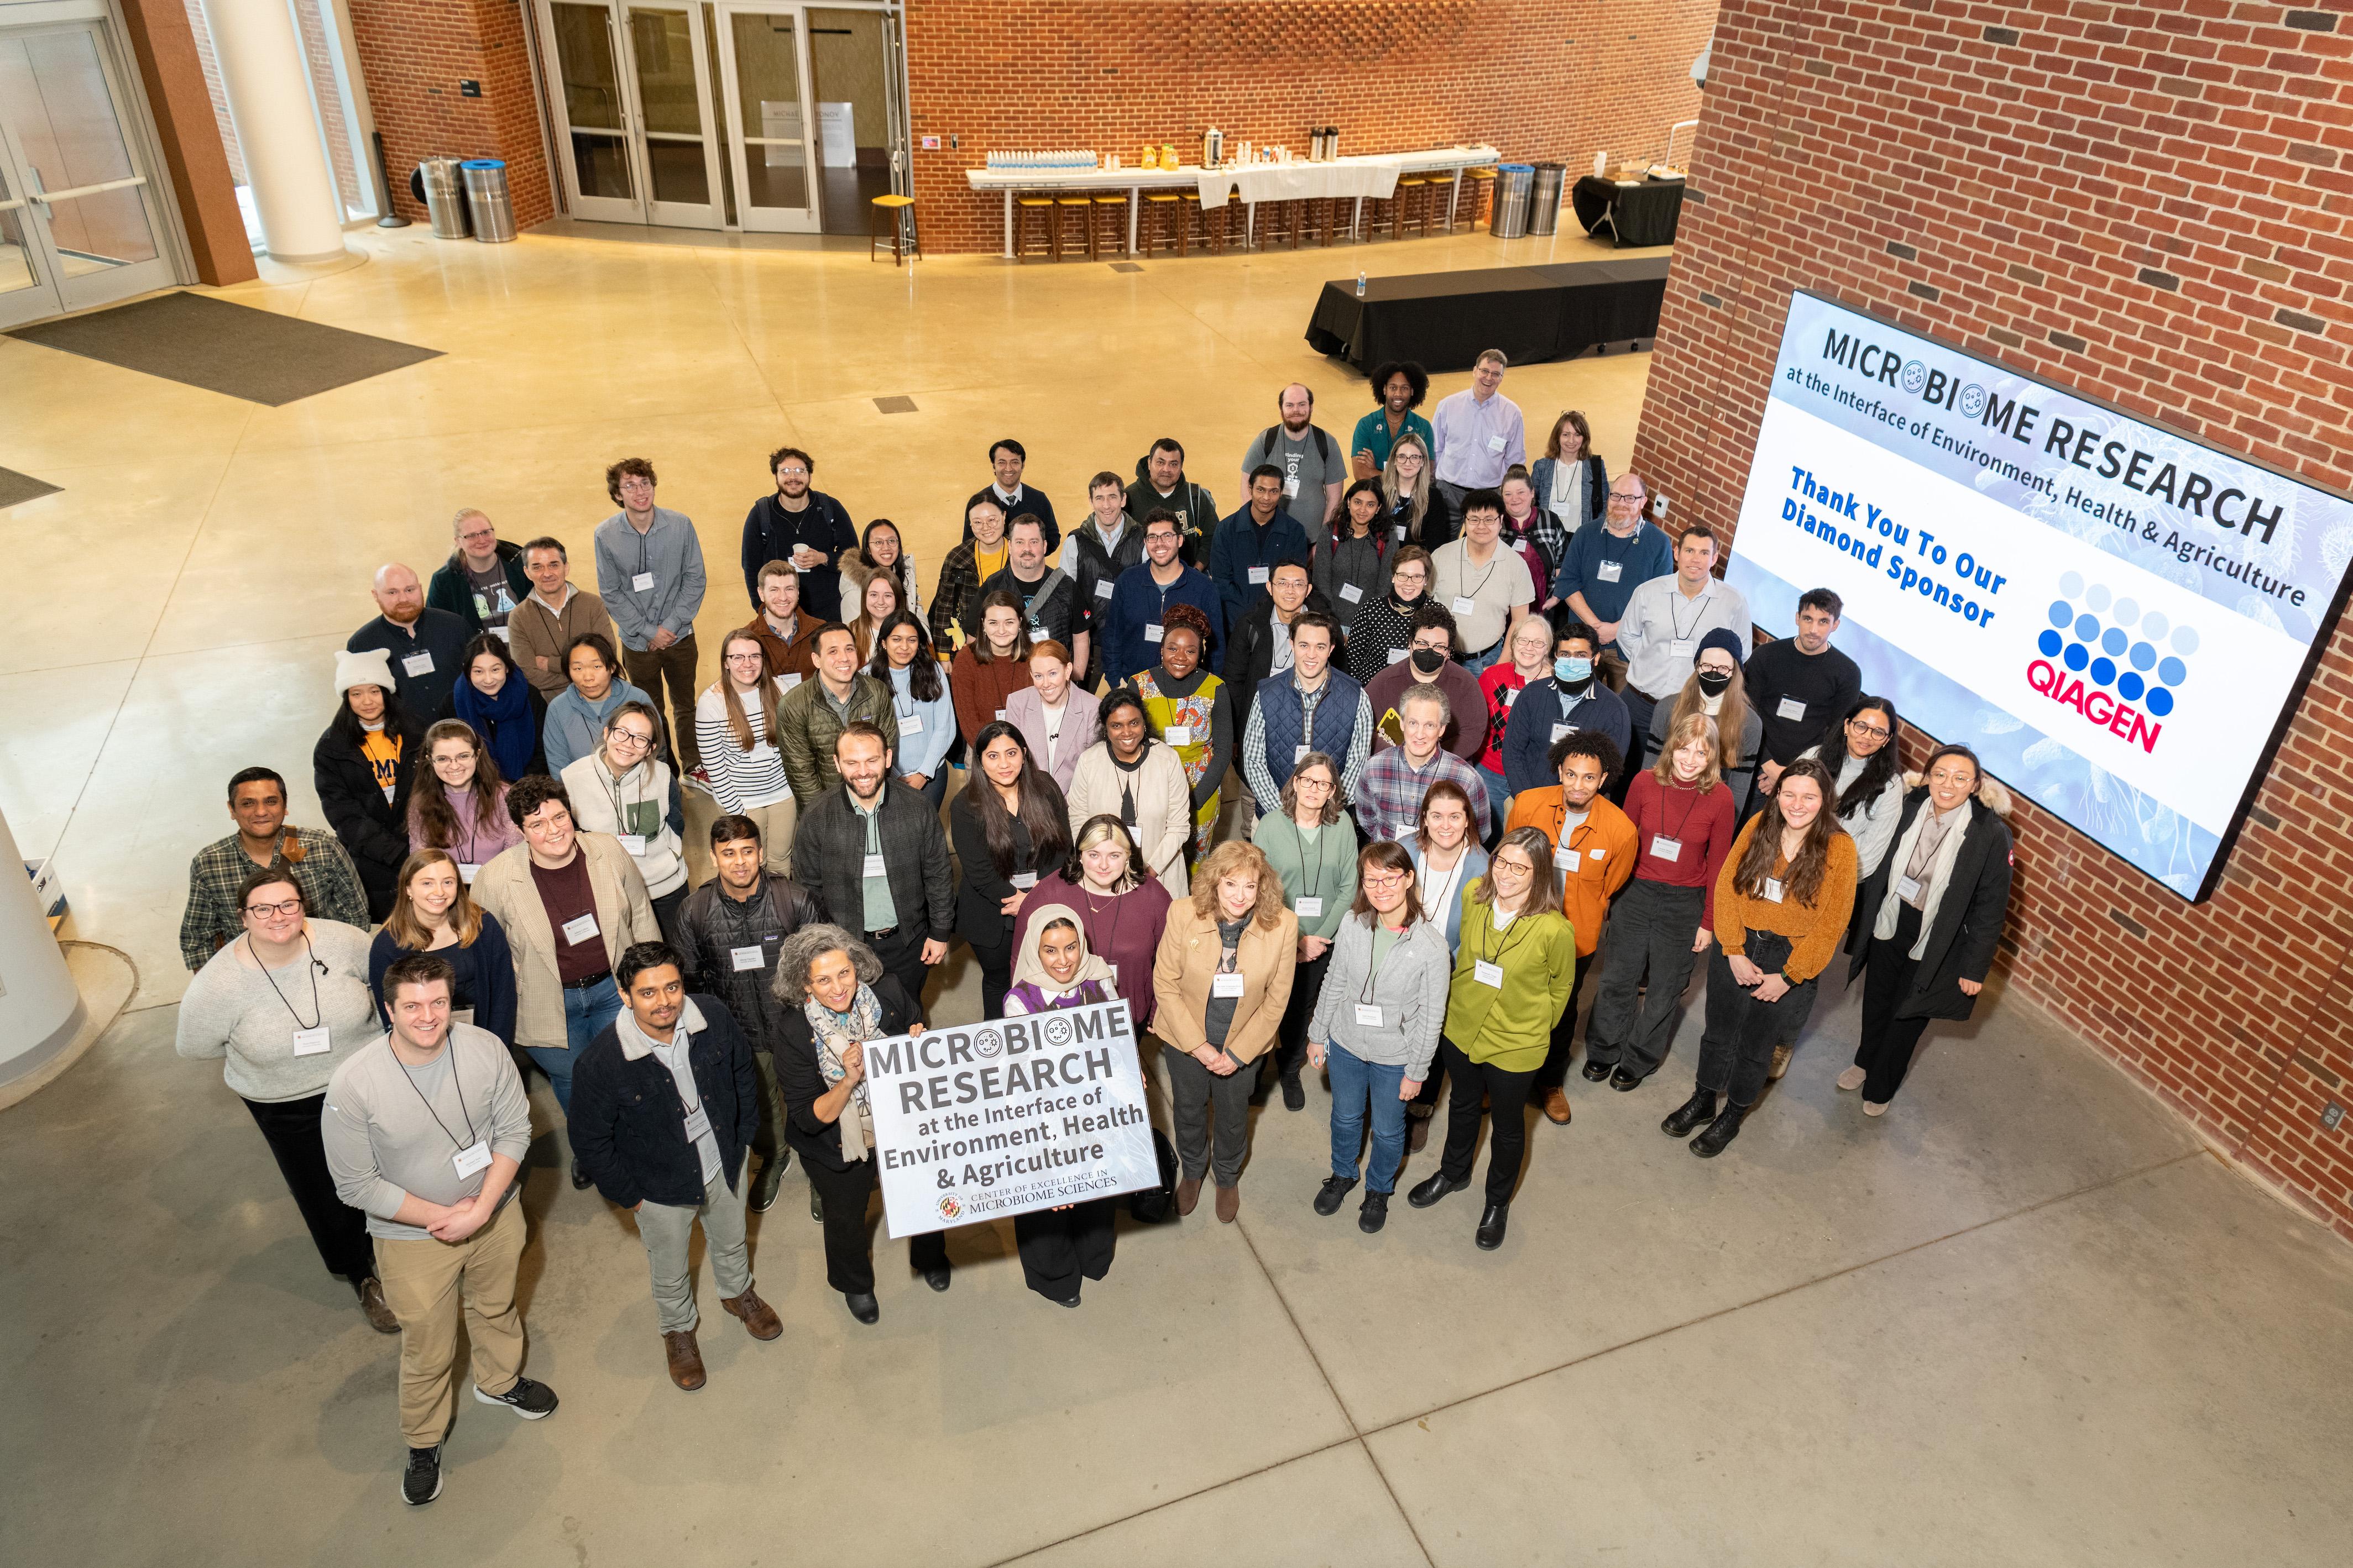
(1291, 1040)
(848, 1235)
(1735, 1051)
(666, 909)
(995, 959)
(1640, 705)
(1884, 1050)
(338, 1231)
(1061, 1246)
(1650, 931)
(1470, 1081)
(1555, 1071)
(1209, 1109)
(901, 954)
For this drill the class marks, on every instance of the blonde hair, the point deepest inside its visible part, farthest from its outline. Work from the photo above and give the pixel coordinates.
(1232, 859)
(405, 927)
(1730, 714)
(1680, 732)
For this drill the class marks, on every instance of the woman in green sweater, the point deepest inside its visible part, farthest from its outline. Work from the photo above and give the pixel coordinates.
(1513, 974)
(1313, 849)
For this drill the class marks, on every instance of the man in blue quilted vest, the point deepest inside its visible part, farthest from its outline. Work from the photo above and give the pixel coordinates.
(1311, 707)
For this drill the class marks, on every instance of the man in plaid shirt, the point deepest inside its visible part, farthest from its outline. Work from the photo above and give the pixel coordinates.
(1390, 796)
(330, 883)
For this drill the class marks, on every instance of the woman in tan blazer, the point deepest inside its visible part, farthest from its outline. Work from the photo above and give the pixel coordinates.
(542, 889)
(1221, 981)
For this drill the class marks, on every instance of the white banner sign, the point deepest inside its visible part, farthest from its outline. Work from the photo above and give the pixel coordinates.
(983, 1121)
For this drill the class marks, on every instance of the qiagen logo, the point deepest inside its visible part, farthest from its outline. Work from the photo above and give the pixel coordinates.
(2110, 655)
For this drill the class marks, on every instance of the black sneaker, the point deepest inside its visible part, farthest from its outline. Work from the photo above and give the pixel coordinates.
(532, 1401)
(764, 1191)
(1294, 1095)
(1374, 1213)
(1335, 1188)
(421, 1482)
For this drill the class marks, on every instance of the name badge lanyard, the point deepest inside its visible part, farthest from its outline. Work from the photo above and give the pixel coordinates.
(1443, 891)
(1676, 834)
(318, 1010)
(472, 1137)
(1674, 623)
(1505, 945)
(620, 809)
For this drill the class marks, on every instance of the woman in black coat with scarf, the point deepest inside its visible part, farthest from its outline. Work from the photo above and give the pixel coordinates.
(1934, 910)
(362, 767)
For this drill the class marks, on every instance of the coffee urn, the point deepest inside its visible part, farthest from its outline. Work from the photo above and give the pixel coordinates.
(1213, 147)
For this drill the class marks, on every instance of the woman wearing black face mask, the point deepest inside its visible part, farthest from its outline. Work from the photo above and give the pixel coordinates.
(1384, 626)
(1716, 689)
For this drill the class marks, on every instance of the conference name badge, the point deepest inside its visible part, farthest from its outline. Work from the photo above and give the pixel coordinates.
(643, 583)
(1299, 754)
(416, 664)
(473, 1157)
(1103, 588)
(1570, 860)
(1772, 890)
(1225, 985)
(1669, 849)
(1178, 734)
(744, 958)
(1000, 715)
(911, 724)
(1309, 908)
(787, 682)
(1789, 708)
(1684, 648)
(1609, 571)
(1291, 486)
(1487, 974)
(1465, 605)
(1258, 576)
(1152, 633)
(1560, 730)
(635, 843)
(875, 867)
(579, 928)
(466, 874)
(698, 1124)
(1400, 531)
(1396, 653)
(1495, 443)
(1369, 1016)
(1025, 880)
(1907, 889)
(1350, 593)
(315, 1042)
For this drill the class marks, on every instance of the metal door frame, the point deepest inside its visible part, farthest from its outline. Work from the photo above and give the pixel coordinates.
(712, 213)
(605, 209)
(765, 220)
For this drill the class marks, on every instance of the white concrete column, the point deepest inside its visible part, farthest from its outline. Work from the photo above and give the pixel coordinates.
(40, 1007)
(269, 91)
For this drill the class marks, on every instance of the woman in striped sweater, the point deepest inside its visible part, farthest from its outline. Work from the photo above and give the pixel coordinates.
(735, 723)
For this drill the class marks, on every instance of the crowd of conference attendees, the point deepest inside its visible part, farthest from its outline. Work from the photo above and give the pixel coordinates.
(1372, 782)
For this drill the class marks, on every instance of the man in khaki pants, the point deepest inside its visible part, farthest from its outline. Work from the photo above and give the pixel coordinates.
(425, 1131)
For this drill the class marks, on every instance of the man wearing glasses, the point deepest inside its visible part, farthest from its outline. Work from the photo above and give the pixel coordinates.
(1606, 565)
(650, 573)
(1799, 686)
(804, 526)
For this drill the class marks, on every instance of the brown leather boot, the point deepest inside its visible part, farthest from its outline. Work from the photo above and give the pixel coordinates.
(759, 1318)
(685, 1360)
(1188, 1193)
(1230, 1203)
(1555, 1108)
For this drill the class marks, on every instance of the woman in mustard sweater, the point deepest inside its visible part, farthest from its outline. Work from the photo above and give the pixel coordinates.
(1781, 906)
(1513, 974)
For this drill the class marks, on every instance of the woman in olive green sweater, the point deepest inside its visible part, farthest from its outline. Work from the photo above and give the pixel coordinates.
(1513, 971)
(1312, 848)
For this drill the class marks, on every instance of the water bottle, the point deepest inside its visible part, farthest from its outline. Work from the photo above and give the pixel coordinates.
(1360, 285)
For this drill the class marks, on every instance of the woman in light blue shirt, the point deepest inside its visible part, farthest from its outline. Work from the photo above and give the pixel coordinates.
(919, 690)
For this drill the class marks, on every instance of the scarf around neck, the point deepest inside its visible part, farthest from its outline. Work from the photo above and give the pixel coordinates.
(834, 1034)
(503, 721)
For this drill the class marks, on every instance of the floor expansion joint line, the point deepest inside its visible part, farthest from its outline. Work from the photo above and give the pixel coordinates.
(1990, 1221)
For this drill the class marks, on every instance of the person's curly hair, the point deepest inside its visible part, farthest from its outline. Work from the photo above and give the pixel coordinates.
(805, 946)
(1232, 857)
(1189, 617)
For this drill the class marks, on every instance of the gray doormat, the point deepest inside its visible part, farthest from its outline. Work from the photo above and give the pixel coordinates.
(15, 487)
(258, 355)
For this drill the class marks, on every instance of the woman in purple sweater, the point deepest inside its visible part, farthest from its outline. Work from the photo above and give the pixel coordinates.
(1122, 912)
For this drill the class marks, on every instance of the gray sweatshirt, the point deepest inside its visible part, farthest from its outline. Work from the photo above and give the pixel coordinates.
(1410, 991)
(250, 1016)
(668, 553)
(386, 1138)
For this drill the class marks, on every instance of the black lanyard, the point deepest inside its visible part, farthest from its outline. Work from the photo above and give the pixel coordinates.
(1677, 834)
(319, 1013)
(1509, 937)
(450, 1046)
(1675, 593)
(1311, 857)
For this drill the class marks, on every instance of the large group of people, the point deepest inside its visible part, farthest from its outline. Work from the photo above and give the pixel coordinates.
(1369, 778)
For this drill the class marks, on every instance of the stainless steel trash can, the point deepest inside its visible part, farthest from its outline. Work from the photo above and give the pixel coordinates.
(489, 202)
(1543, 198)
(445, 197)
(1508, 217)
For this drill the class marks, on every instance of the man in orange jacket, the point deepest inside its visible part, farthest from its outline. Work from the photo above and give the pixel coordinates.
(1594, 846)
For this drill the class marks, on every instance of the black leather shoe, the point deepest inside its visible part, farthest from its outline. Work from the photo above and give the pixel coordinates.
(1490, 1234)
(1431, 1190)
(1373, 1212)
(1596, 1071)
(1685, 1119)
(1328, 1196)
(1294, 1095)
(772, 1176)
(937, 1279)
(580, 1182)
(816, 1207)
(865, 1307)
(1720, 1132)
(1625, 1083)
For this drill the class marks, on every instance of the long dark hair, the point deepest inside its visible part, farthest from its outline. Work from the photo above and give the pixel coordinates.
(1807, 869)
(428, 809)
(1118, 698)
(898, 569)
(1343, 522)
(1044, 813)
(348, 729)
(923, 682)
(1858, 795)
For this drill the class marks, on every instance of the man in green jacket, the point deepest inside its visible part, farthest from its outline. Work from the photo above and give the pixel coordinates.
(810, 717)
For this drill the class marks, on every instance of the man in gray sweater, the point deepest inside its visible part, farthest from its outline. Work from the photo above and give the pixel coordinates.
(425, 1131)
(649, 575)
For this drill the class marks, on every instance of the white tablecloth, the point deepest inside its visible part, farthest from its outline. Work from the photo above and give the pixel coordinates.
(1343, 177)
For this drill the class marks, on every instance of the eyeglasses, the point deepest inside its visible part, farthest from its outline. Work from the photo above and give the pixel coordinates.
(1388, 879)
(263, 911)
(1309, 782)
(792, 473)
(752, 657)
(629, 738)
(1617, 496)
(1868, 732)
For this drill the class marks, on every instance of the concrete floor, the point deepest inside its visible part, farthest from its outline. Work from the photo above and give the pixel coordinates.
(2024, 1319)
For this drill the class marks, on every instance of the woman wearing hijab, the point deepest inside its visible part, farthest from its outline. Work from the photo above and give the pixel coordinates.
(1060, 1247)
(1715, 689)
(494, 697)
(1128, 774)
(837, 1000)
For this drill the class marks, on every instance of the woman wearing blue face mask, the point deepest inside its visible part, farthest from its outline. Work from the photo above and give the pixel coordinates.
(1571, 696)
(1528, 656)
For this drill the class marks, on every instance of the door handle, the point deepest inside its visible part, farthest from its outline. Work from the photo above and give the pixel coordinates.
(48, 198)
(9, 206)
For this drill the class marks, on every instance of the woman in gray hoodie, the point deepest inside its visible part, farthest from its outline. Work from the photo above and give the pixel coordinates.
(1376, 1025)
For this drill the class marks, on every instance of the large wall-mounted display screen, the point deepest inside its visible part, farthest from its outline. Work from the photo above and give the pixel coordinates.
(2119, 619)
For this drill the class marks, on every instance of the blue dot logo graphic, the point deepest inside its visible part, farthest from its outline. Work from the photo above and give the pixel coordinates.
(2114, 644)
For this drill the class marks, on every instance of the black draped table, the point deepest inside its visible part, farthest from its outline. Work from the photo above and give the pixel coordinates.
(1445, 319)
(1641, 211)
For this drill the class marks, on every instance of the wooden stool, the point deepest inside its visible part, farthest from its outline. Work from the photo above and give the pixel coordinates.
(1094, 225)
(1043, 209)
(1167, 225)
(1085, 206)
(889, 207)
(1481, 195)
(1412, 205)
(1275, 221)
(1384, 207)
(1330, 206)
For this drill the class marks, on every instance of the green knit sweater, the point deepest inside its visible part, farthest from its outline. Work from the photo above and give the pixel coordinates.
(1329, 873)
(1510, 1026)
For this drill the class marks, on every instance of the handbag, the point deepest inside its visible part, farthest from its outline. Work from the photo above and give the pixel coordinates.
(1151, 1206)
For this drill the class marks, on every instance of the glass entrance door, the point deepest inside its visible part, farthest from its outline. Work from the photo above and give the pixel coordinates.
(632, 86)
(78, 225)
(763, 61)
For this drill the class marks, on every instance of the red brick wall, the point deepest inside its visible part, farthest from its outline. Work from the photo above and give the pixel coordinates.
(1391, 73)
(2153, 204)
(414, 54)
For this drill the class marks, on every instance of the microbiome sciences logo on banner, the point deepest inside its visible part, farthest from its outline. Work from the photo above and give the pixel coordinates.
(2119, 619)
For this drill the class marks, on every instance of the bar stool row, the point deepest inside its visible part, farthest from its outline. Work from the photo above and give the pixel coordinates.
(1173, 220)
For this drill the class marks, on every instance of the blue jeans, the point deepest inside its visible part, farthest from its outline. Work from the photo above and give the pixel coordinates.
(935, 788)
(585, 1014)
(1499, 802)
(1353, 1079)
(1477, 663)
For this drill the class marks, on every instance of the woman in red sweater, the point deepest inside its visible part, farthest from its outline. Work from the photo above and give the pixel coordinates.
(1681, 813)
(992, 667)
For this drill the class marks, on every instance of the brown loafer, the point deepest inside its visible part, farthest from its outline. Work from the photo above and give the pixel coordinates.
(1555, 1107)
(1780, 1060)
(685, 1360)
(1417, 1133)
(759, 1318)
(1230, 1203)
(378, 1310)
(1188, 1193)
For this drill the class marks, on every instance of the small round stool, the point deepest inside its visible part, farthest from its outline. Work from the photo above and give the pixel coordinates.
(906, 242)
